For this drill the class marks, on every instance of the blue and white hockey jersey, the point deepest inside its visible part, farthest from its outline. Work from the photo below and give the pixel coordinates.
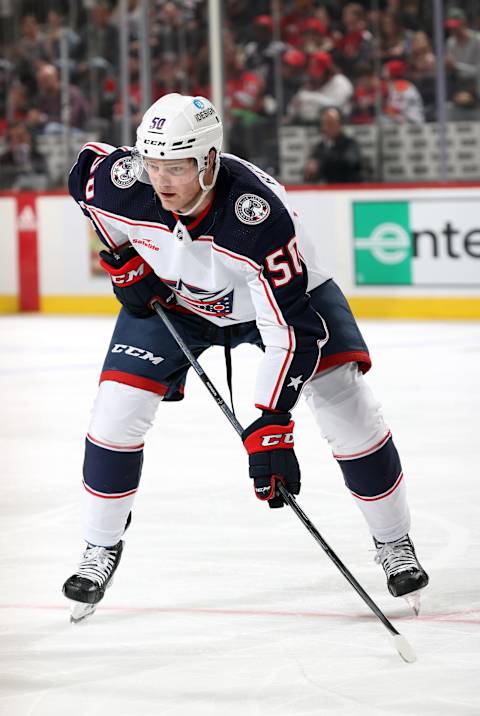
(244, 258)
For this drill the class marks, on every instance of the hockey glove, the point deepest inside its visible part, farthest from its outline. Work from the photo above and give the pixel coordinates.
(134, 282)
(269, 443)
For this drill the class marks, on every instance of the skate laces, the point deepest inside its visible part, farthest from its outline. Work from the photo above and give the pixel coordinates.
(97, 564)
(397, 556)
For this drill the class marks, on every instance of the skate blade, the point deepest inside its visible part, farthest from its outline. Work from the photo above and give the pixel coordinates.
(413, 601)
(80, 611)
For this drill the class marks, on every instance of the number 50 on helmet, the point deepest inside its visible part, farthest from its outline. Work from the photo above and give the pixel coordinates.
(178, 127)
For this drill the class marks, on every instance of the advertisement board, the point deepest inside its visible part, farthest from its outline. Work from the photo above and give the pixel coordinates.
(417, 242)
(398, 252)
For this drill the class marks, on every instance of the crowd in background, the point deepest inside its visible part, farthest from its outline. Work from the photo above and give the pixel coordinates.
(370, 61)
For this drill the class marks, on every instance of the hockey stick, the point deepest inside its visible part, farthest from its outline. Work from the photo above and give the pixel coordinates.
(400, 643)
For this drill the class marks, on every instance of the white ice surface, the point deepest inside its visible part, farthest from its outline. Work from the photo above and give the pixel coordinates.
(222, 607)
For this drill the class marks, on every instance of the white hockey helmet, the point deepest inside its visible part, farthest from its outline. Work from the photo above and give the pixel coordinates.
(179, 127)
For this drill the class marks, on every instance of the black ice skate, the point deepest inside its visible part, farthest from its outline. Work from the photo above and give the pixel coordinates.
(405, 575)
(94, 574)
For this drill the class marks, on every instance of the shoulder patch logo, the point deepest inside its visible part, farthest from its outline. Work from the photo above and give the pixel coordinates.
(122, 173)
(251, 209)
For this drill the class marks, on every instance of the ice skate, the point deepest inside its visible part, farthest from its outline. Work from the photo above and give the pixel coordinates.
(405, 575)
(94, 575)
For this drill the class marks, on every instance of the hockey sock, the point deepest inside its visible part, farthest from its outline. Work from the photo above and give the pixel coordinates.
(376, 482)
(111, 480)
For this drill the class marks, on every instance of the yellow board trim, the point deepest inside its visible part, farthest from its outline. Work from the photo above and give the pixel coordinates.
(9, 304)
(94, 305)
(442, 308)
(400, 307)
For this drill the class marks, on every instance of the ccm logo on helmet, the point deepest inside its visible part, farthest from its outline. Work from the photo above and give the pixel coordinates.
(154, 142)
(270, 440)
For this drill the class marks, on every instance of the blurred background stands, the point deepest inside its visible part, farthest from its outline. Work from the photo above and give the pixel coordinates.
(284, 60)
(396, 153)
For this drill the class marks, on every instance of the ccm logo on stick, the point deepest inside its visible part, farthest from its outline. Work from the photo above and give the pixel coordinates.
(269, 440)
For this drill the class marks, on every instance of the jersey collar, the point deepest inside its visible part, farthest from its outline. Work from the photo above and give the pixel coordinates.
(205, 221)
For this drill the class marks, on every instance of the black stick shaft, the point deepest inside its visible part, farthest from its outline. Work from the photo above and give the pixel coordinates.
(289, 499)
(291, 502)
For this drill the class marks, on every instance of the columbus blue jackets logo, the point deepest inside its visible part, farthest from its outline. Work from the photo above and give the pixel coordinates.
(214, 303)
(122, 173)
(251, 209)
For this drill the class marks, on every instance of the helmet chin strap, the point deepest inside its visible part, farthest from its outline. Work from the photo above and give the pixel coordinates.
(204, 191)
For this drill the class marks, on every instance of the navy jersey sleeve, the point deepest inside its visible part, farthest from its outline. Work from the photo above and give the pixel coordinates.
(293, 333)
(90, 184)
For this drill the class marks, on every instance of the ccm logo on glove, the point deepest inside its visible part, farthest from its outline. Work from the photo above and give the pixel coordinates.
(137, 269)
(269, 443)
(275, 440)
(134, 282)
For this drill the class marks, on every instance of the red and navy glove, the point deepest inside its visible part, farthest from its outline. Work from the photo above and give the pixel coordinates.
(134, 282)
(269, 443)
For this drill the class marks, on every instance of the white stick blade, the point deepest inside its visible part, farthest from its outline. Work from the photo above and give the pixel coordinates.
(404, 649)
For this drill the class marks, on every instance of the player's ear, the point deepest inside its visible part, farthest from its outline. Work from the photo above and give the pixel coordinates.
(210, 171)
(212, 155)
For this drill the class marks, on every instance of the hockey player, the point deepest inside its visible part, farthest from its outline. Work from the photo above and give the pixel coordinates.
(214, 239)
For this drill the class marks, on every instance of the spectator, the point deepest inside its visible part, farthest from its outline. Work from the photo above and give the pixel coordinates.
(134, 12)
(134, 92)
(17, 106)
(404, 103)
(326, 87)
(421, 71)
(53, 32)
(463, 53)
(369, 95)
(97, 70)
(32, 44)
(29, 51)
(200, 73)
(169, 19)
(46, 115)
(260, 51)
(100, 36)
(245, 92)
(336, 158)
(168, 75)
(294, 63)
(413, 14)
(315, 37)
(244, 88)
(395, 41)
(293, 25)
(355, 45)
(240, 15)
(21, 165)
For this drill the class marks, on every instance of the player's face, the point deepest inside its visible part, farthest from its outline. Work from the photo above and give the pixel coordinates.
(175, 181)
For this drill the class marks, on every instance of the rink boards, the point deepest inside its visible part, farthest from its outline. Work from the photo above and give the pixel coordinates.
(397, 252)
